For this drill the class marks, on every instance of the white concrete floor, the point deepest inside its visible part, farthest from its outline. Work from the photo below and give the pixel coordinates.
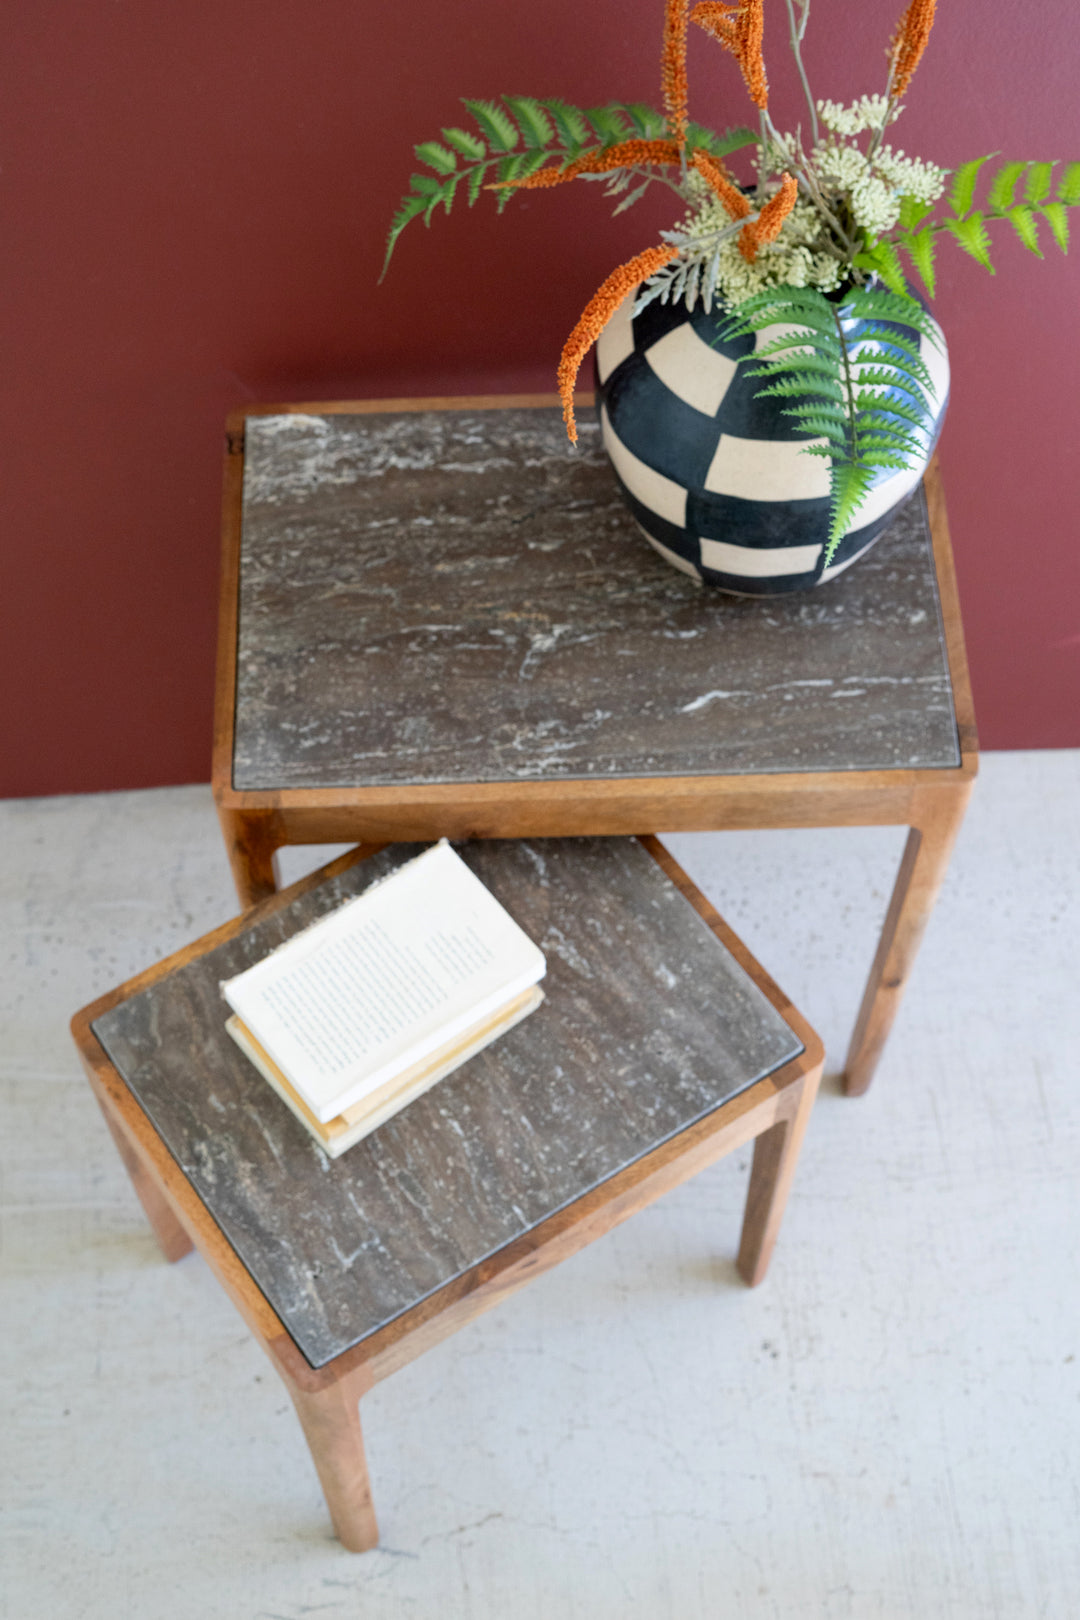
(889, 1427)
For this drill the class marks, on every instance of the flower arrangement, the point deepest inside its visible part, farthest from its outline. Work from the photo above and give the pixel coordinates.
(819, 245)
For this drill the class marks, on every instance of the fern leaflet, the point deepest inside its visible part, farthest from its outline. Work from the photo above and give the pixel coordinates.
(516, 136)
(916, 231)
(858, 387)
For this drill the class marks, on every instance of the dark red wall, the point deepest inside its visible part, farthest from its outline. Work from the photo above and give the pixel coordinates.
(194, 200)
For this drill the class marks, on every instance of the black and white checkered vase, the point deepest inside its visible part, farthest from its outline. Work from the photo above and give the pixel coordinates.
(715, 478)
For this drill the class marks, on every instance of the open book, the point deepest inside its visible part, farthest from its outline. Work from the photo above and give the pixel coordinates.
(370, 1006)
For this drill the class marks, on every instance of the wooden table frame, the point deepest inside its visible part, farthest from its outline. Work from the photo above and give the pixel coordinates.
(772, 1113)
(930, 802)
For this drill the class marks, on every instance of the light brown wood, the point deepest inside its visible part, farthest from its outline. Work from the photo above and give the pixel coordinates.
(935, 812)
(172, 1238)
(330, 1419)
(326, 1398)
(250, 843)
(936, 818)
(776, 1153)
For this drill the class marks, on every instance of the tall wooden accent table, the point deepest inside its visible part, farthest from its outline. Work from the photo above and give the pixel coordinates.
(437, 619)
(661, 1046)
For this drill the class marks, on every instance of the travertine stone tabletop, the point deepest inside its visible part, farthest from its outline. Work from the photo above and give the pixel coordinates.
(649, 1024)
(456, 596)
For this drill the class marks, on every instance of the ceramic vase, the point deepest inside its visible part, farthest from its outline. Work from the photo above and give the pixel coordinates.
(716, 478)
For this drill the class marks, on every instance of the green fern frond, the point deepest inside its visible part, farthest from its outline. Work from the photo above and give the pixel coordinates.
(1023, 221)
(921, 250)
(851, 482)
(881, 444)
(821, 417)
(916, 231)
(794, 343)
(896, 375)
(822, 427)
(443, 194)
(425, 184)
(437, 157)
(1040, 178)
(570, 125)
(532, 120)
(965, 180)
(732, 140)
(885, 332)
(851, 379)
(873, 305)
(880, 256)
(913, 212)
(608, 123)
(973, 237)
(514, 139)
(818, 377)
(515, 166)
(1068, 191)
(1058, 221)
(884, 409)
(469, 146)
(498, 127)
(901, 353)
(649, 124)
(1003, 186)
(410, 207)
(477, 178)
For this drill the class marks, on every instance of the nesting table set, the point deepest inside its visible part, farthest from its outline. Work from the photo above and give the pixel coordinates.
(437, 622)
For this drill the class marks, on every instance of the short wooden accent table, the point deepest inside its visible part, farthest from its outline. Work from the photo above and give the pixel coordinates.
(661, 1046)
(437, 619)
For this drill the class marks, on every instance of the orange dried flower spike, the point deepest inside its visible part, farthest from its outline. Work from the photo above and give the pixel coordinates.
(740, 30)
(908, 44)
(766, 228)
(626, 154)
(673, 82)
(595, 316)
(736, 203)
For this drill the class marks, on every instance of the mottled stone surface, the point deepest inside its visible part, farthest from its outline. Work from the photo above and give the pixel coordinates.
(648, 1025)
(455, 596)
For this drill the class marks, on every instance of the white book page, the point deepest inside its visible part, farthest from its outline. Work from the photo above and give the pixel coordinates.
(384, 980)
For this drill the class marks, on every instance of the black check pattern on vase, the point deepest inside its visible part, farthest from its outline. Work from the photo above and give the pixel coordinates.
(693, 450)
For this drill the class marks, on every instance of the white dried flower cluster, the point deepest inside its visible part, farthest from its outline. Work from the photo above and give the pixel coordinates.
(875, 187)
(794, 259)
(911, 176)
(869, 112)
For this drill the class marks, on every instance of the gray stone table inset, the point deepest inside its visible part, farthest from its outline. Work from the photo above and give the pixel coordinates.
(439, 620)
(455, 596)
(649, 1024)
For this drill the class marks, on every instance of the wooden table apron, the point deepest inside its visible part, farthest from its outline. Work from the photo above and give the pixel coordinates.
(772, 1112)
(929, 801)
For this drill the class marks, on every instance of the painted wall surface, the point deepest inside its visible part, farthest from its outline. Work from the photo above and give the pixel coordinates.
(195, 200)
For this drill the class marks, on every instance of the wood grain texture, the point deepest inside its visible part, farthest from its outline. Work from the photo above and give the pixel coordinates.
(173, 1241)
(330, 1419)
(936, 820)
(452, 597)
(649, 1025)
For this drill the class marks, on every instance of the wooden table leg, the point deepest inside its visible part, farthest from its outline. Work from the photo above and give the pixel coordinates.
(250, 841)
(172, 1238)
(936, 816)
(330, 1419)
(776, 1153)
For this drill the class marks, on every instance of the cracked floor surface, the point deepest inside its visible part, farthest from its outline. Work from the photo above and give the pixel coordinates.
(886, 1430)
